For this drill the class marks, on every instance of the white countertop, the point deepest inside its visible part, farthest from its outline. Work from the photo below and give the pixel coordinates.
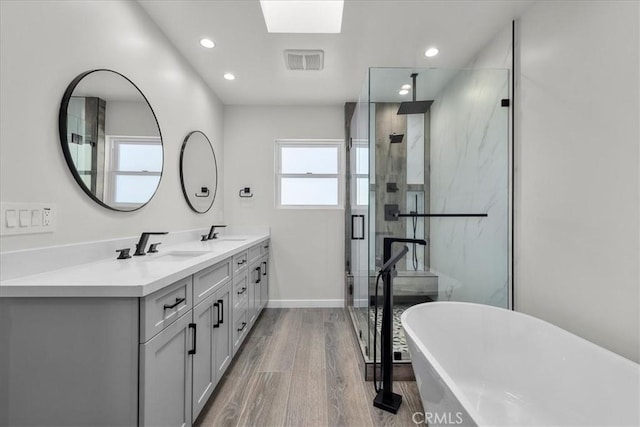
(133, 277)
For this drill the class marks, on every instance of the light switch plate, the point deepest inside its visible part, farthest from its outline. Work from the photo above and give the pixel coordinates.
(27, 218)
(10, 218)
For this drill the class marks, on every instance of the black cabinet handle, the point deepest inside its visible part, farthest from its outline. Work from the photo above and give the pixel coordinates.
(258, 269)
(243, 326)
(178, 301)
(264, 272)
(241, 262)
(242, 291)
(193, 350)
(216, 305)
(221, 312)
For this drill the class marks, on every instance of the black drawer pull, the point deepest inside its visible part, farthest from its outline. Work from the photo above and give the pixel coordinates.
(244, 324)
(258, 269)
(242, 291)
(264, 272)
(217, 324)
(178, 301)
(221, 312)
(241, 262)
(193, 326)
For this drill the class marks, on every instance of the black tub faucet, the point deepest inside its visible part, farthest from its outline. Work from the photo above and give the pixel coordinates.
(142, 243)
(388, 241)
(213, 235)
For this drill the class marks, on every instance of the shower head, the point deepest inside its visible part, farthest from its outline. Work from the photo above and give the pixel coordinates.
(394, 138)
(414, 107)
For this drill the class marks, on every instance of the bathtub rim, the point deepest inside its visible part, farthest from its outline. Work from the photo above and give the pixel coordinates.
(462, 399)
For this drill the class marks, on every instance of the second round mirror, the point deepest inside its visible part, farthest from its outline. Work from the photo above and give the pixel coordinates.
(198, 172)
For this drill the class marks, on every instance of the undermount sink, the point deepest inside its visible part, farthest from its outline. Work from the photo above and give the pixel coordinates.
(175, 255)
(232, 239)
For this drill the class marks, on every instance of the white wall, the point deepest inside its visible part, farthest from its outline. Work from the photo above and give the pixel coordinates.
(578, 198)
(43, 46)
(307, 245)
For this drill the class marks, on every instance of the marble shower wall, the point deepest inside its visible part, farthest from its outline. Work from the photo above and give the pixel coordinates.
(390, 168)
(402, 164)
(469, 174)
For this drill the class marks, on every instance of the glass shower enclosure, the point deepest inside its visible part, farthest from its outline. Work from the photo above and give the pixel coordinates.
(442, 175)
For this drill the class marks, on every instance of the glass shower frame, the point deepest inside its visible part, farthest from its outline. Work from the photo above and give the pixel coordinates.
(476, 122)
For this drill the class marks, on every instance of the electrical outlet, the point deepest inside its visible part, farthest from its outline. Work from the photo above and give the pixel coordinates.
(27, 218)
(46, 217)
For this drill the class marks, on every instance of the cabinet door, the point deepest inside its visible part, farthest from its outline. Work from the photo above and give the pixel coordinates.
(264, 283)
(255, 276)
(222, 334)
(165, 376)
(205, 316)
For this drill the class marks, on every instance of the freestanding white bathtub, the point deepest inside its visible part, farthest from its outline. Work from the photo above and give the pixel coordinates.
(481, 365)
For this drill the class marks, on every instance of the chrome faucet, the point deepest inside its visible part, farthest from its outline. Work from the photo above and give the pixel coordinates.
(141, 246)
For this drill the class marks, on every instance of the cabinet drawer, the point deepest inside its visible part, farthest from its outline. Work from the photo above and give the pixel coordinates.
(240, 290)
(239, 262)
(240, 328)
(254, 253)
(163, 307)
(264, 248)
(205, 281)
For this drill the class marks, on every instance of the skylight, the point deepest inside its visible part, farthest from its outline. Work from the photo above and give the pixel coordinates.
(303, 16)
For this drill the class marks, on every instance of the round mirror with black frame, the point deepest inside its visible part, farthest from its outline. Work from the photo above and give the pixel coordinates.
(111, 140)
(198, 172)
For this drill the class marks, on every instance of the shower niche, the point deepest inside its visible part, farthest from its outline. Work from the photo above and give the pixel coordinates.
(432, 164)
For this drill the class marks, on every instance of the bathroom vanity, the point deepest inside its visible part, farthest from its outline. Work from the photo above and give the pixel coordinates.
(142, 341)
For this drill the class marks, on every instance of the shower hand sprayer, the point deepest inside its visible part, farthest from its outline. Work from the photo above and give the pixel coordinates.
(386, 399)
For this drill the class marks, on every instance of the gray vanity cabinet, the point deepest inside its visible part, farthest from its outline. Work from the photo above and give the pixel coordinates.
(165, 375)
(124, 361)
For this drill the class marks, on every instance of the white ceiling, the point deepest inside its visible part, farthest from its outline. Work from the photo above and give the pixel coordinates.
(375, 33)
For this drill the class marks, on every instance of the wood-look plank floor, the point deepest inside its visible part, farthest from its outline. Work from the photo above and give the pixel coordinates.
(298, 368)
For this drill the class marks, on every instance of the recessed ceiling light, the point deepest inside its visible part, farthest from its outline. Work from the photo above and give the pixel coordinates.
(229, 76)
(209, 44)
(403, 91)
(303, 16)
(432, 51)
(406, 87)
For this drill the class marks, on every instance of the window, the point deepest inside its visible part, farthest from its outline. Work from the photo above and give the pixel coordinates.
(361, 156)
(309, 174)
(135, 169)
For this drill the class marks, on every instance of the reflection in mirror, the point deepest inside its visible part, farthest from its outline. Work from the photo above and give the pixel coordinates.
(198, 172)
(111, 140)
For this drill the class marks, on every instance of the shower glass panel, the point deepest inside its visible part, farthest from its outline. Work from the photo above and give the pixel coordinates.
(446, 181)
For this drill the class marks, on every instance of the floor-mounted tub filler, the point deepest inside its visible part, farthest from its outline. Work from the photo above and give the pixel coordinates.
(480, 365)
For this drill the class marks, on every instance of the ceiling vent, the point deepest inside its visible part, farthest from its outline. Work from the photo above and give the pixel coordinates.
(304, 59)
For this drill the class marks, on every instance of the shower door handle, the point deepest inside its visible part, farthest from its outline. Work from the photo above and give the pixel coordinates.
(353, 227)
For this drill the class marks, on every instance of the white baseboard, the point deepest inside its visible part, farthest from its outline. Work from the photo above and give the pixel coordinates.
(300, 303)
